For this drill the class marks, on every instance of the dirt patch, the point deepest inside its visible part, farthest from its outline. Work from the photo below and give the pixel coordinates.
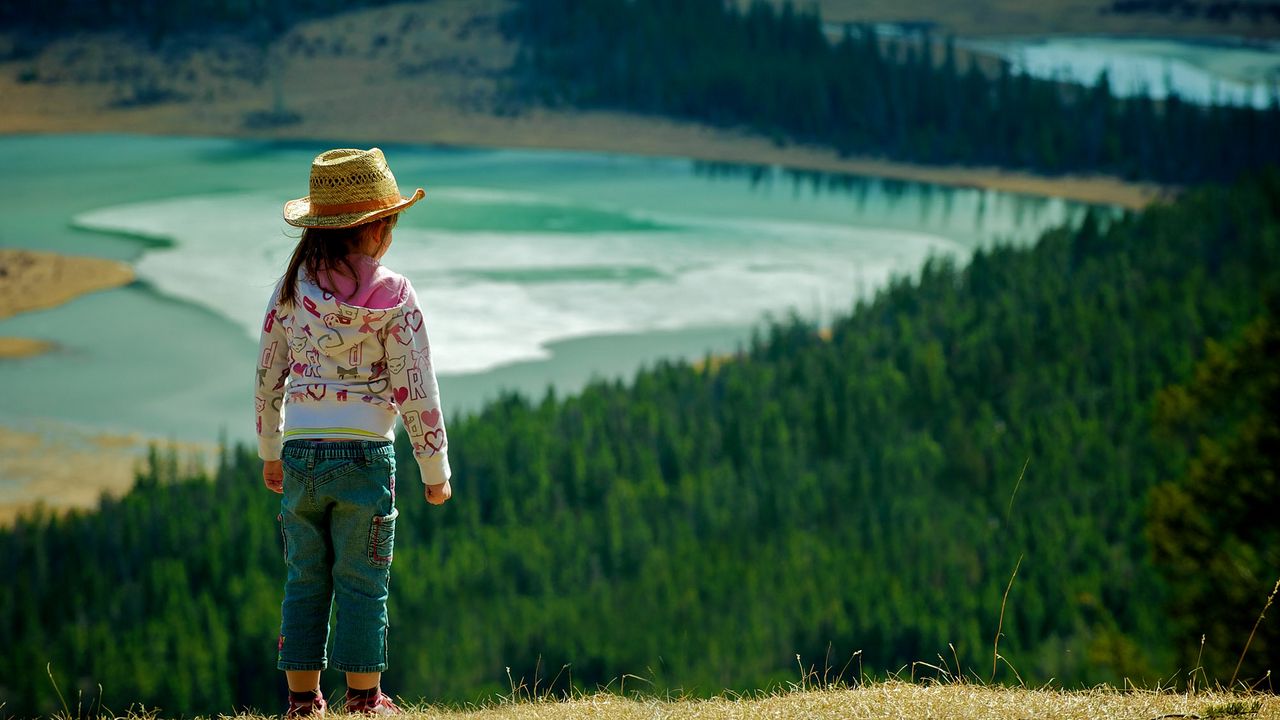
(34, 280)
(22, 347)
(63, 468)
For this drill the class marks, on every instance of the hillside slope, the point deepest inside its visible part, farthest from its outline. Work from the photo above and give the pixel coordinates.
(864, 496)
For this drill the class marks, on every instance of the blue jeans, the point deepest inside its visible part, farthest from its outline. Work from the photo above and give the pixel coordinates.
(338, 521)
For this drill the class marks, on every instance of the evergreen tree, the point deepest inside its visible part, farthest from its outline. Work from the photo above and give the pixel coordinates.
(1213, 528)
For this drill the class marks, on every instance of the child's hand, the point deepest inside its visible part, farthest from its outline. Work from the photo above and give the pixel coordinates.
(273, 475)
(439, 494)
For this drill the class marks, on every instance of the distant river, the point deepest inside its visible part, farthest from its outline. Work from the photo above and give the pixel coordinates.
(1205, 71)
(535, 268)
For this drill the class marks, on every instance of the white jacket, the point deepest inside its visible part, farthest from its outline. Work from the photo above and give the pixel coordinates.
(329, 369)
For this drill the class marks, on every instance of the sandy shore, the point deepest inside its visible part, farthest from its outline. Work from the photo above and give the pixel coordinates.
(404, 73)
(65, 468)
(53, 464)
(22, 347)
(33, 280)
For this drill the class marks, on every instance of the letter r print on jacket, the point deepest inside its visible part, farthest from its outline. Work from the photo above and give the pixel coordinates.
(416, 389)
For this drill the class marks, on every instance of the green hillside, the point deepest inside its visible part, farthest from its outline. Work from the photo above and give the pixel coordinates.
(860, 498)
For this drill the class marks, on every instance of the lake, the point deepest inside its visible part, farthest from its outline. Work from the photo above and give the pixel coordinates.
(534, 268)
(1210, 71)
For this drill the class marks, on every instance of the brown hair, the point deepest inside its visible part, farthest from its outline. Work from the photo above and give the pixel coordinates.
(327, 249)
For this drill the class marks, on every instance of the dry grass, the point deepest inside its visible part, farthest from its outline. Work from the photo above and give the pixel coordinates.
(893, 699)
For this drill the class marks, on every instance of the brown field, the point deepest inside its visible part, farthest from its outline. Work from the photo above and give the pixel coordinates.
(66, 468)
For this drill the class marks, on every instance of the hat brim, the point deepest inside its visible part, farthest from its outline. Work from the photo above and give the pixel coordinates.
(298, 213)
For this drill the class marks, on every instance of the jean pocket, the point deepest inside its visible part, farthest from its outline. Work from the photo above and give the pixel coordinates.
(382, 537)
(387, 466)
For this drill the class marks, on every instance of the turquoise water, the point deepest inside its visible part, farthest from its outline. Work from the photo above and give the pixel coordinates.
(1212, 70)
(1202, 72)
(535, 268)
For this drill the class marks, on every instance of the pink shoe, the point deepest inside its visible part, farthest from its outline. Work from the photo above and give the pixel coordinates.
(376, 704)
(314, 707)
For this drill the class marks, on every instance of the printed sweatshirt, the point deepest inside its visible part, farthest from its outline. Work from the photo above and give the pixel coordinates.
(344, 364)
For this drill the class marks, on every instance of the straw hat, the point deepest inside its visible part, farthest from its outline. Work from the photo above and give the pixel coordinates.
(348, 187)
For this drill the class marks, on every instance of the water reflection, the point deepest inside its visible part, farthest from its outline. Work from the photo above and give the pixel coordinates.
(982, 216)
(541, 267)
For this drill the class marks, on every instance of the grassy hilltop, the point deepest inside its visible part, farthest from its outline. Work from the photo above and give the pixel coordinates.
(889, 700)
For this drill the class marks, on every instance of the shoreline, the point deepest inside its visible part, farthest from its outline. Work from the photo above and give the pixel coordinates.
(40, 280)
(17, 347)
(662, 138)
(60, 468)
(622, 133)
(439, 81)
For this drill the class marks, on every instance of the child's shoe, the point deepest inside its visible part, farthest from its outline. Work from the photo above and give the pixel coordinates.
(306, 704)
(370, 702)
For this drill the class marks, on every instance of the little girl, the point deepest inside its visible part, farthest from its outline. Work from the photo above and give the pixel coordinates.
(343, 351)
